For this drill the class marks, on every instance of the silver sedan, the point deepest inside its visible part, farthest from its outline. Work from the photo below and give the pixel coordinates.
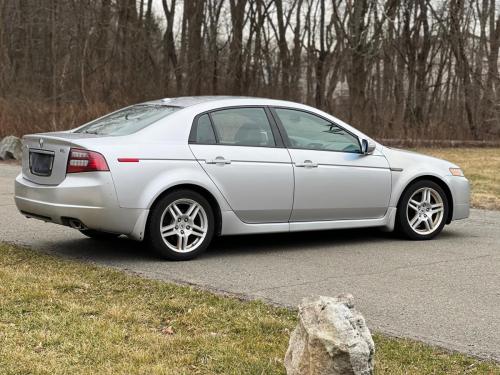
(176, 172)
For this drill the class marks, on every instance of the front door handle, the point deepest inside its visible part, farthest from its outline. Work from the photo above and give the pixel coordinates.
(218, 160)
(307, 164)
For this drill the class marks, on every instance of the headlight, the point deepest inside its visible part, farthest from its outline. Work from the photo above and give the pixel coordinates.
(456, 172)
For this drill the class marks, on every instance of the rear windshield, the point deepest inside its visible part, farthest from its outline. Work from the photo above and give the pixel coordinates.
(128, 120)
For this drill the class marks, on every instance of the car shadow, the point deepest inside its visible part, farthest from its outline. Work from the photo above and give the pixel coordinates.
(117, 250)
(360, 239)
(295, 241)
(122, 250)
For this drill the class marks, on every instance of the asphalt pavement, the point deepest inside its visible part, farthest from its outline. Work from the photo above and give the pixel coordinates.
(445, 292)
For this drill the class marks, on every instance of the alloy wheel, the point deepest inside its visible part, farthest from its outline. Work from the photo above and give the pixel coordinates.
(425, 211)
(184, 225)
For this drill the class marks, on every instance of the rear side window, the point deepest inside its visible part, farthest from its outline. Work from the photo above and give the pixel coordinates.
(204, 131)
(243, 127)
(128, 120)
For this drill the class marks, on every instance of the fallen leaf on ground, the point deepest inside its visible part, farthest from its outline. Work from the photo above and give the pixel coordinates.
(167, 330)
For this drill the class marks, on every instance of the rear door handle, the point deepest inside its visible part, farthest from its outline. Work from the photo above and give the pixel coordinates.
(218, 160)
(307, 164)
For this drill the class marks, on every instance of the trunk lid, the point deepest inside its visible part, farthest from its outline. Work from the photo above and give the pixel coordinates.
(45, 156)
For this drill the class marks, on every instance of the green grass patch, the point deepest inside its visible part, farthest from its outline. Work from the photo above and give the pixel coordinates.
(65, 317)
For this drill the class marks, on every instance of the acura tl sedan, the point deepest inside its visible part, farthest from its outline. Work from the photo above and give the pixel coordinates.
(177, 172)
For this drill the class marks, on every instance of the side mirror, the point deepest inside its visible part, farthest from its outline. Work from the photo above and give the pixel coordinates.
(367, 147)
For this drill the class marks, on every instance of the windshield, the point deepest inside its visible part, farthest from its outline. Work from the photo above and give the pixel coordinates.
(128, 120)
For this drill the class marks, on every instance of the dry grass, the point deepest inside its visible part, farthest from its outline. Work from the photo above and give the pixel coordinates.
(481, 166)
(65, 317)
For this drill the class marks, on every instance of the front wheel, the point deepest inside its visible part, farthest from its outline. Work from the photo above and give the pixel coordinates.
(422, 211)
(181, 225)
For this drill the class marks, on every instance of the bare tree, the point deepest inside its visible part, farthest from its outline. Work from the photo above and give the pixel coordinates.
(412, 68)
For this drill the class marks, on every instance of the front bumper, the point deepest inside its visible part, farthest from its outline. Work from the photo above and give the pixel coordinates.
(460, 190)
(87, 197)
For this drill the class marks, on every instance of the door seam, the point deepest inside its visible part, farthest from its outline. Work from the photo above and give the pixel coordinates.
(293, 190)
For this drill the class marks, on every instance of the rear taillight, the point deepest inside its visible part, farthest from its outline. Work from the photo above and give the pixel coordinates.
(85, 161)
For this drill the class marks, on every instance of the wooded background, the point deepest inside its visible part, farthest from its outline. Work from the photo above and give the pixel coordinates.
(400, 69)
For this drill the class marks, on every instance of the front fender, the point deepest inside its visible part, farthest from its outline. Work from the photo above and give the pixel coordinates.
(401, 179)
(408, 166)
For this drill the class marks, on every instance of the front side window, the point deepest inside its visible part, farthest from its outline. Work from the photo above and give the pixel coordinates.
(128, 120)
(308, 131)
(243, 127)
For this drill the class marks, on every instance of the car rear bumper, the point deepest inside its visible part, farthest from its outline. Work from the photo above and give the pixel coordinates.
(89, 198)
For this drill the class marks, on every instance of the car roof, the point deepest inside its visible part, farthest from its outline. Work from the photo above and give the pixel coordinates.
(189, 101)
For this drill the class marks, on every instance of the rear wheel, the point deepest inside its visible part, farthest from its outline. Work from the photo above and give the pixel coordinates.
(181, 225)
(98, 235)
(422, 211)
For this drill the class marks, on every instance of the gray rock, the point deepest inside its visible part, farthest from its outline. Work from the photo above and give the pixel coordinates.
(331, 337)
(11, 148)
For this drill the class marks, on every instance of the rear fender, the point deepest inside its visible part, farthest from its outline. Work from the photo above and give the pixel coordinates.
(152, 177)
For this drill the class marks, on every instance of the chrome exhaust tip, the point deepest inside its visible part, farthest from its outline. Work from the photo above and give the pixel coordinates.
(76, 224)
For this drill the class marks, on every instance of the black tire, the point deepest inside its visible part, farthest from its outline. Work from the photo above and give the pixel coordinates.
(153, 233)
(402, 220)
(98, 235)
